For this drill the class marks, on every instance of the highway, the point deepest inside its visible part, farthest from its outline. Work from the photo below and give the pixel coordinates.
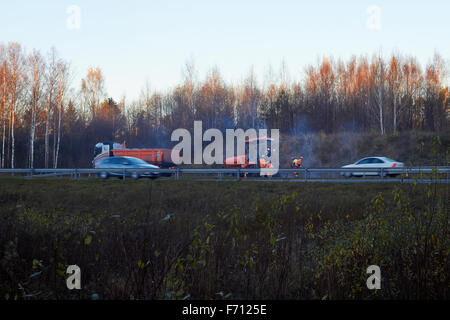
(322, 175)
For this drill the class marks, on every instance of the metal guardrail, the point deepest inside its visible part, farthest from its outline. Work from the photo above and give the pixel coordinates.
(306, 173)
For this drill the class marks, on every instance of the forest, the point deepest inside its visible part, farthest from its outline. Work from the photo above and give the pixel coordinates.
(47, 121)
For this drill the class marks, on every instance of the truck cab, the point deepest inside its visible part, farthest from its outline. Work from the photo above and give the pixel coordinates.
(249, 159)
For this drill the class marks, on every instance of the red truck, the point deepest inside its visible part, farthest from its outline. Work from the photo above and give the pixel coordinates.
(156, 156)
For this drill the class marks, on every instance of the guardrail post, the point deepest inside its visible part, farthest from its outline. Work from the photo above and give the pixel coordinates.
(238, 174)
(177, 174)
(76, 174)
(306, 174)
(381, 173)
(123, 174)
(31, 173)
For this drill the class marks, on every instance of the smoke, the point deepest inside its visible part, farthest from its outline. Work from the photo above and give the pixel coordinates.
(301, 142)
(301, 125)
(319, 149)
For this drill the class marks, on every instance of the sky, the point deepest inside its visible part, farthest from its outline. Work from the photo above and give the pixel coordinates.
(138, 41)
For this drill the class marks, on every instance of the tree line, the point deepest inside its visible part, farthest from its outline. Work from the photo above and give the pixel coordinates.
(46, 121)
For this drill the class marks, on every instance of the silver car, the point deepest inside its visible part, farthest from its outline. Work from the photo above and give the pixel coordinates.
(114, 167)
(372, 163)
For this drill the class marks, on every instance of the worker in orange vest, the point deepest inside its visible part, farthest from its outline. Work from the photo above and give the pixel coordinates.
(297, 164)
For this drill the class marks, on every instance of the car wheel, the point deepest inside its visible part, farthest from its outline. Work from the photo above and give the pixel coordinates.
(135, 175)
(104, 175)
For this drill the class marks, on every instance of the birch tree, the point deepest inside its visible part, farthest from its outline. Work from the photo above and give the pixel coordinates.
(3, 100)
(395, 77)
(63, 70)
(378, 75)
(15, 61)
(50, 79)
(36, 68)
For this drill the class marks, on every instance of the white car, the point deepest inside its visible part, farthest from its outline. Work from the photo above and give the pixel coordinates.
(372, 163)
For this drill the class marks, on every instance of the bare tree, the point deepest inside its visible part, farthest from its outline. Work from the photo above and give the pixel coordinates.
(92, 88)
(15, 61)
(436, 96)
(63, 70)
(36, 68)
(378, 76)
(394, 81)
(411, 89)
(146, 102)
(250, 100)
(51, 79)
(189, 83)
(4, 98)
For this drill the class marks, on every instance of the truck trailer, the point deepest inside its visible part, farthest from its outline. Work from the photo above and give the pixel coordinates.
(157, 156)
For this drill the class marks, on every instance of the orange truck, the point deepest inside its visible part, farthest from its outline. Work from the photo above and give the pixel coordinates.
(156, 156)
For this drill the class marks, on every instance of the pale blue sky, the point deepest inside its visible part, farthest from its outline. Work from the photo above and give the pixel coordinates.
(133, 41)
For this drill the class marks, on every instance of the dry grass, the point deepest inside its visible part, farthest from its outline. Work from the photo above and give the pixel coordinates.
(225, 240)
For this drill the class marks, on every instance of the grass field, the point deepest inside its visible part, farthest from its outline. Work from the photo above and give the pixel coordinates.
(222, 240)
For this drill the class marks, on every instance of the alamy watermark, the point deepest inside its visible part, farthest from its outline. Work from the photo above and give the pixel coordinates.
(374, 281)
(254, 148)
(373, 21)
(73, 21)
(74, 280)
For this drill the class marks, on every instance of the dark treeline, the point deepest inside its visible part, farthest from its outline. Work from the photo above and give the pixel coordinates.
(47, 122)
